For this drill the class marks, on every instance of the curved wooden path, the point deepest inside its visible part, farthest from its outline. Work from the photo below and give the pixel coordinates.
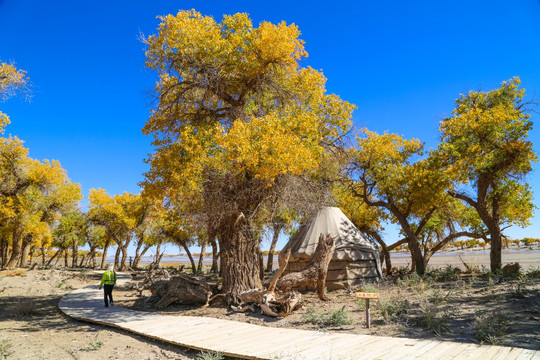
(247, 341)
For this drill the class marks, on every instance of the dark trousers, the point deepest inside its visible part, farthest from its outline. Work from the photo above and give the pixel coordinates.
(107, 291)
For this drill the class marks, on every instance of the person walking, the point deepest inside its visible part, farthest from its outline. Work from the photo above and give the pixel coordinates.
(108, 280)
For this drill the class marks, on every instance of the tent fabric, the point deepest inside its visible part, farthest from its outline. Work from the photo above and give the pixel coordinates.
(356, 260)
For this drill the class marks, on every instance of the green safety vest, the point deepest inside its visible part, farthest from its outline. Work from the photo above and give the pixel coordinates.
(108, 278)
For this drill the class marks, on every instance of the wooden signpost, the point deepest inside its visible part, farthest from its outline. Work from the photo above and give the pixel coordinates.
(367, 297)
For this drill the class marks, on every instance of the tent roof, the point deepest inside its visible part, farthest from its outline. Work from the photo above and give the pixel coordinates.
(329, 220)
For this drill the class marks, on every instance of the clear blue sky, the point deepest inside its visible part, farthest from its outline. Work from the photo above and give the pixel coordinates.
(401, 62)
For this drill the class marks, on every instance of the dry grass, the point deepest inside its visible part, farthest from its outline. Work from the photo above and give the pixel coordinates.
(18, 272)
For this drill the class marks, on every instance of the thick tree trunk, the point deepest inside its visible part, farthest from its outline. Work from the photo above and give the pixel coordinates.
(124, 256)
(3, 250)
(25, 252)
(15, 248)
(201, 257)
(240, 266)
(275, 237)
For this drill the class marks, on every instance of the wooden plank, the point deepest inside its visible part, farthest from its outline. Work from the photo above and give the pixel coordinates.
(438, 351)
(526, 354)
(513, 354)
(412, 349)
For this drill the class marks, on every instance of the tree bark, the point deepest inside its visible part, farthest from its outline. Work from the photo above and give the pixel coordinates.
(275, 236)
(104, 255)
(240, 264)
(138, 257)
(201, 257)
(26, 245)
(75, 254)
(15, 248)
(186, 249)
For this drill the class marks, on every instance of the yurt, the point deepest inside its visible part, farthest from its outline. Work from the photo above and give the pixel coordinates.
(356, 260)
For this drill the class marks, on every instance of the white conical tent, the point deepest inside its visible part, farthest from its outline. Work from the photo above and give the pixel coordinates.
(356, 259)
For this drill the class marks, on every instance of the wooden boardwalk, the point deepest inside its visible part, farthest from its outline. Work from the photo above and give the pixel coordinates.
(247, 341)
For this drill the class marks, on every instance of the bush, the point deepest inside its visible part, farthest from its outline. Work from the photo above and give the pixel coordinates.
(393, 309)
(447, 274)
(489, 327)
(533, 273)
(430, 319)
(95, 345)
(336, 317)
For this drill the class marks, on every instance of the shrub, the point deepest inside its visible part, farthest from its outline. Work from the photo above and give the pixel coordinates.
(393, 309)
(410, 280)
(519, 288)
(447, 274)
(430, 319)
(95, 345)
(210, 356)
(336, 317)
(24, 308)
(489, 327)
(533, 273)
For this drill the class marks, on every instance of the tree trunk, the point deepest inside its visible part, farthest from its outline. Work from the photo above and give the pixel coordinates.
(275, 237)
(15, 248)
(193, 266)
(3, 251)
(124, 256)
(53, 257)
(104, 256)
(240, 265)
(26, 245)
(138, 258)
(66, 256)
(75, 254)
(215, 255)
(201, 257)
(117, 256)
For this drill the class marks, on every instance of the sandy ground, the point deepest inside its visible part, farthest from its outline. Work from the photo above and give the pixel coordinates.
(32, 327)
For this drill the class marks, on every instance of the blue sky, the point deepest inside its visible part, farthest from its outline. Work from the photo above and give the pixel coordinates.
(402, 64)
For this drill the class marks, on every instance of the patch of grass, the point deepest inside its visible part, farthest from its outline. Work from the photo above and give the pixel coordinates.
(445, 275)
(437, 296)
(432, 320)
(210, 355)
(410, 280)
(24, 308)
(519, 288)
(336, 317)
(491, 326)
(59, 285)
(392, 309)
(5, 349)
(95, 345)
(533, 273)
(370, 288)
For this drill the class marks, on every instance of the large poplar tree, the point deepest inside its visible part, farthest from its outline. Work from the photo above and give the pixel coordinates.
(235, 113)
